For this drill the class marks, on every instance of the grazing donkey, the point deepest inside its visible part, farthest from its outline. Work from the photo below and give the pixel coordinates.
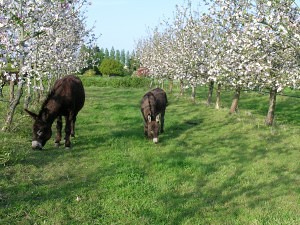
(65, 99)
(153, 107)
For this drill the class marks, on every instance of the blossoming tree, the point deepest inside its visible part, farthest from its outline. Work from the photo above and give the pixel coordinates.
(245, 44)
(41, 39)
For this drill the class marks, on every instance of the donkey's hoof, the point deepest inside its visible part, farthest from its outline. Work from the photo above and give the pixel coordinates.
(67, 147)
(57, 144)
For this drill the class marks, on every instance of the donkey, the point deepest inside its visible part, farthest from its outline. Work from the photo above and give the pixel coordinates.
(65, 99)
(153, 107)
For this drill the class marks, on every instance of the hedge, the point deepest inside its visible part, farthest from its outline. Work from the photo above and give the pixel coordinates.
(115, 82)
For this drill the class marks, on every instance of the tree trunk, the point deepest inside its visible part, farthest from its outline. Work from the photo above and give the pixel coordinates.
(49, 85)
(235, 101)
(272, 105)
(210, 92)
(170, 85)
(36, 93)
(41, 91)
(27, 99)
(1, 89)
(151, 83)
(12, 107)
(181, 87)
(11, 90)
(2, 83)
(218, 102)
(163, 84)
(194, 93)
(15, 100)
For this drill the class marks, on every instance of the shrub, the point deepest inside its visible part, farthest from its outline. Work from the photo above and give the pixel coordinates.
(90, 73)
(111, 67)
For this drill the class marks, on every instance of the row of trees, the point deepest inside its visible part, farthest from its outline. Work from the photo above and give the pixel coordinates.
(113, 62)
(241, 44)
(40, 39)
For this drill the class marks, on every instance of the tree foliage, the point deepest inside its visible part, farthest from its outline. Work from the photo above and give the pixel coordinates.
(243, 44)
(41, 39)
(97, 55)
(111, 67)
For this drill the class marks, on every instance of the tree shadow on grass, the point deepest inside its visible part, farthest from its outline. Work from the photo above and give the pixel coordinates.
(226, 181)
(68, 191)
(287, 108)
(176, 129)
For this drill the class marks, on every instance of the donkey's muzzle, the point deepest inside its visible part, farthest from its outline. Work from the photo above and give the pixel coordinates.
(36, 145)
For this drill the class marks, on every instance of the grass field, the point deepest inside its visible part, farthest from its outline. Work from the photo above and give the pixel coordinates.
(209, 167)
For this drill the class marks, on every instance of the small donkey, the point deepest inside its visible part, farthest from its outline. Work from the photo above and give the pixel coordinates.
(153, 107)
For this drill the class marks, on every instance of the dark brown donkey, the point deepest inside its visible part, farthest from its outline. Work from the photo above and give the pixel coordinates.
(153, 107)
(65, 99)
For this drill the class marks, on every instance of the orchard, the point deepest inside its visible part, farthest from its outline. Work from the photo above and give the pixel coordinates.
(243, 45)
(209, 167)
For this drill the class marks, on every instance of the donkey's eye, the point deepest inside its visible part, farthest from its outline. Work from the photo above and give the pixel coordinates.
(39, 133)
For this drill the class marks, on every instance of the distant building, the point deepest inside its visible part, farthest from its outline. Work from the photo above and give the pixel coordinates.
(142, 72)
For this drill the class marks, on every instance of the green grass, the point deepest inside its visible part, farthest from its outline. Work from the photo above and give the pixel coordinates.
(116, 82)
(209, 167)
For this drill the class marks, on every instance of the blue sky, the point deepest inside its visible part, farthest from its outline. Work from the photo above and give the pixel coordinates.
(123, 22)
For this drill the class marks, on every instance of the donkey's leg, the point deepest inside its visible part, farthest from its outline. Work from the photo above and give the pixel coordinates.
(73, 126)
(146, 130)
(162, 122)
(58, 131)
(68, 131)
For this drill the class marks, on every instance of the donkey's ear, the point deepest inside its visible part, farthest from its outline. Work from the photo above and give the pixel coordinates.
(157, 118)
(149, 118)
(32, 114)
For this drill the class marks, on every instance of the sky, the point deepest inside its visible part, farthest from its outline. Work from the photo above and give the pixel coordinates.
(122, 23)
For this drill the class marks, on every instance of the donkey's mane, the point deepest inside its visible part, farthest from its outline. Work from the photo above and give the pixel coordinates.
(50, 96)
(150, 105)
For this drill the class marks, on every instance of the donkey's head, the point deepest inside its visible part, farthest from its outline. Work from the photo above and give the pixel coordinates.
(41, 131)
(153, 127)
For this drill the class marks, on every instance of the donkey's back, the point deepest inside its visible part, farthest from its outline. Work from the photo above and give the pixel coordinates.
(69, 92)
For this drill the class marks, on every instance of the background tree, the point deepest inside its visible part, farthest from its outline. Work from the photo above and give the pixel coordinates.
(95, 56)
(127, 59)
(106, 53)
(123, 57)
(112, 53)
(111, 67)
(118, 55)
